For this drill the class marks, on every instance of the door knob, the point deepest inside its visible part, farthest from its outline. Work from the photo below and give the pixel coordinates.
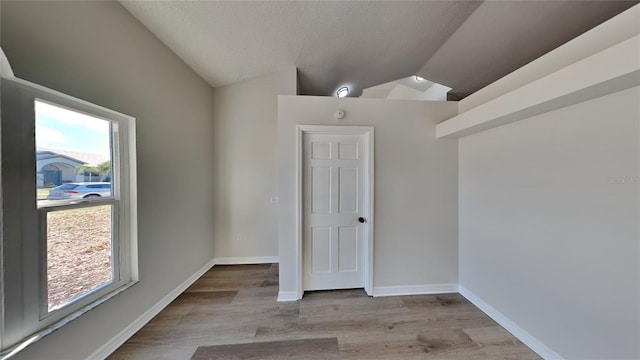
(361, 220)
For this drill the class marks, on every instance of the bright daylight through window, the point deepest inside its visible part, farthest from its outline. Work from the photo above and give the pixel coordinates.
(69, 235)
(73, 162)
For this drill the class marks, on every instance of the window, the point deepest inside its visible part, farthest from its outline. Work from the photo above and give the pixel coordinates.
(81, 246)
(69, 214)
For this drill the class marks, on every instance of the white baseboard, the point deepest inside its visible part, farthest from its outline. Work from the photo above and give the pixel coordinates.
(117, 341)
(379, 291)
(246, 260)
(287, 296)
(522, 335)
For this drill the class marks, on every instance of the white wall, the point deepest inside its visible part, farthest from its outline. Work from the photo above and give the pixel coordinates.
(403, 92)
(244, 158)
(435, 92)
(549, 204)
(396, 90)
(98, 52)
(549, 225)
(415, 186)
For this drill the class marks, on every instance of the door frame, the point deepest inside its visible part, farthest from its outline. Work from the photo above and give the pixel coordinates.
(368, 131)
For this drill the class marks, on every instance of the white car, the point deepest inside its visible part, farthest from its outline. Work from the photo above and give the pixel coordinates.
(80, 190)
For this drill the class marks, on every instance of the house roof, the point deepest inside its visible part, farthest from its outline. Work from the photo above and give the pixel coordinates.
(464, 45)
(79, 157)
(46, 155)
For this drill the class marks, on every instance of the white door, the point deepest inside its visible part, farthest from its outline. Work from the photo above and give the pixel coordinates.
(334, 216)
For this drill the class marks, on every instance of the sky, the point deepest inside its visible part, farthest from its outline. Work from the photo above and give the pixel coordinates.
(63, 129)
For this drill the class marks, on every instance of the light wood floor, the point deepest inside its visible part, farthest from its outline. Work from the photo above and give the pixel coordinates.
(237, 304)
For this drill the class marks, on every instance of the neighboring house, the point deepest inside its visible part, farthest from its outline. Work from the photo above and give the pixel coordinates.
(56, 167)
(53, 169)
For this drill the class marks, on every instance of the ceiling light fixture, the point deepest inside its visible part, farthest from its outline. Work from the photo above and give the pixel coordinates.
(418, 78)
(342, 92)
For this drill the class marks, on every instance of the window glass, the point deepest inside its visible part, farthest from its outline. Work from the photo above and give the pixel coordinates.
(73, 158)
(78, 252)
(71, 147)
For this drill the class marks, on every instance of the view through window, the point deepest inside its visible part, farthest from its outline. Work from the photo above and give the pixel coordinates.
(70, 183)
(74, 188)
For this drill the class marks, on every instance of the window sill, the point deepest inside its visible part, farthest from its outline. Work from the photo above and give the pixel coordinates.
(12, 351)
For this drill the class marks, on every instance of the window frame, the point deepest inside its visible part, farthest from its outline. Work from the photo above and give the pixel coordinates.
(27, 300)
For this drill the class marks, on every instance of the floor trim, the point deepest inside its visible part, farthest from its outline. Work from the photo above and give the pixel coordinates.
(534, 344)
(246, 260)
(287, 296)
(380, 291)
(113, 344)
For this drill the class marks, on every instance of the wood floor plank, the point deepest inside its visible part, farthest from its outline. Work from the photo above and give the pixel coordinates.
(387, 346)
(419, 322)
(231, 284)
(430, 302)
(446, 340)
(310, 349)
(238, 305)
(267, 295)
(208, 297)
(322, 327)
(490, 335)
(159, 352)
(339, 308)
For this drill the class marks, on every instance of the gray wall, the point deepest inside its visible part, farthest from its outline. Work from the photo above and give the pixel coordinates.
(415, 240)
(98, 52)
(549, 230)
(246, 126)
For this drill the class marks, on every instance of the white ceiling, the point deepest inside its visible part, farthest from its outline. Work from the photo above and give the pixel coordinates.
(461, 44)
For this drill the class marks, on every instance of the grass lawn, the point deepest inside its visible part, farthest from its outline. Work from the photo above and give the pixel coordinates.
(78, 252)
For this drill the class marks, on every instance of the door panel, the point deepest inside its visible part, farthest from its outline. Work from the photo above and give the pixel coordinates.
(333, 242)
(320, 190)
(348, 151)
(348, 190)
(348, 249)
(321, 151)
(321, 249)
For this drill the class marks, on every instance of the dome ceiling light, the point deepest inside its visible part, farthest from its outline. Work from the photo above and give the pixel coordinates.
(342, 92)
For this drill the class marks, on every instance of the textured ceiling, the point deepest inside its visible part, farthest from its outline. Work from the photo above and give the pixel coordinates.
(461, 44)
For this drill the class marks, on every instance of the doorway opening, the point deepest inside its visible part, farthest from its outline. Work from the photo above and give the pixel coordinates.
(335, 207)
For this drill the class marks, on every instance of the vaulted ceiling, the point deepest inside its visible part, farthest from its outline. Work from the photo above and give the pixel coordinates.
(464, 45)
